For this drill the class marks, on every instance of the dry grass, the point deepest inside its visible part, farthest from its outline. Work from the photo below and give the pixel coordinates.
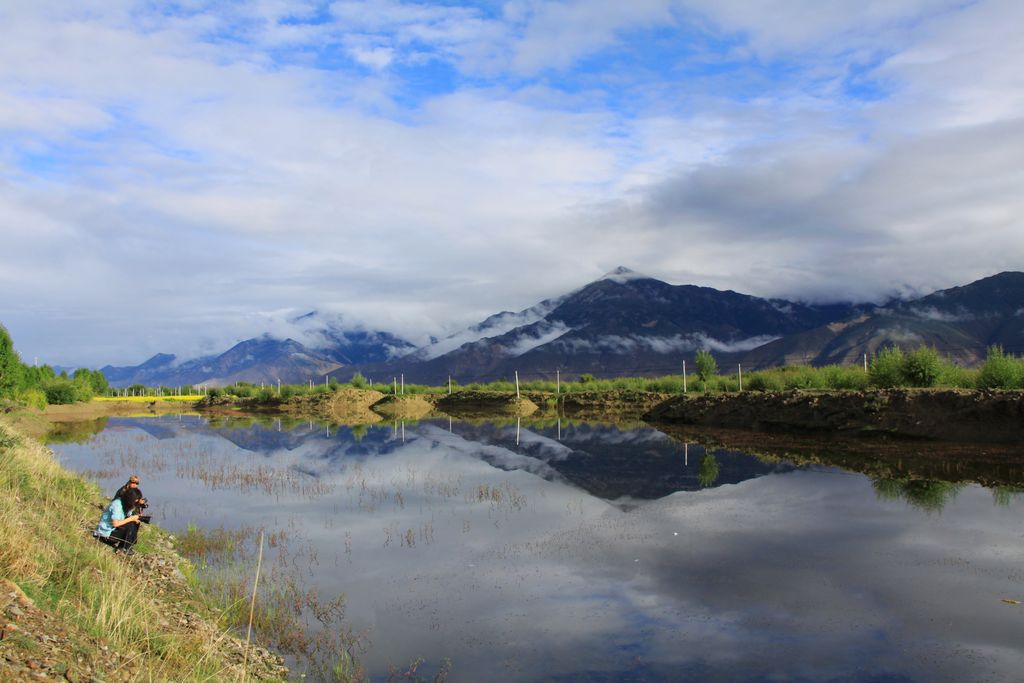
(46, 513)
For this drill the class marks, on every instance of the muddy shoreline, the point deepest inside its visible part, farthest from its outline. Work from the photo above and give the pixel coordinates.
(995, 417)
(954, 416)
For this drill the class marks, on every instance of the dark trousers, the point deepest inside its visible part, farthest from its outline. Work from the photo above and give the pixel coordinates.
(123, 537)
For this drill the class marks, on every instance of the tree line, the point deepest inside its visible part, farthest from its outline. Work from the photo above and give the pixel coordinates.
(37, 386)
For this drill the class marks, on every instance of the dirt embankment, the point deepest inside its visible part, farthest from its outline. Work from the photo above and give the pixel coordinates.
(407, 407)
(948, 415)
(478, 403)
(39, 644)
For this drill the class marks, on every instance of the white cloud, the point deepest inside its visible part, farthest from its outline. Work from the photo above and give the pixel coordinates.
(545, 333)
(173, 172)
(627, 344)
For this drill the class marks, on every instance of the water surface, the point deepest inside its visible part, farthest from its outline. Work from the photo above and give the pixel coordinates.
(589, 552)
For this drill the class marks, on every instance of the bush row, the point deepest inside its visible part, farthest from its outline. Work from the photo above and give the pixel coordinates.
(890, 368)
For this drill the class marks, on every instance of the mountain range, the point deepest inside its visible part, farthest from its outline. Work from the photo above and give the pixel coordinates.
(625, 324)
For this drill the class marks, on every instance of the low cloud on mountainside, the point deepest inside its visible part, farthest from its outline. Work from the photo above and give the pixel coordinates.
(173, 177)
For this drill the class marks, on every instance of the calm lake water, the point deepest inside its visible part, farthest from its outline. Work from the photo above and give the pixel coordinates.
(588, 552)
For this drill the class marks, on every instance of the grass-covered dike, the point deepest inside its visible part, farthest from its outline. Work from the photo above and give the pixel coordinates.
(71, 609)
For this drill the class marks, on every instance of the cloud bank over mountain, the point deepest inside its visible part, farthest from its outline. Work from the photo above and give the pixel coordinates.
(176, 176)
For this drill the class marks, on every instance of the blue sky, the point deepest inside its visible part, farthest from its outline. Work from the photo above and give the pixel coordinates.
(180, 176)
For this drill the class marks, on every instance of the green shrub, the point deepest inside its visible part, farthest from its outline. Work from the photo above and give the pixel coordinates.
(265, 395)
(358, 381)
(61, 391)
(921, 367)
(33, 398)
(1000, 370)
(886, 370)
(664, 385)
(954, 376)
(765, 381)
(243, 390)
(841, 377)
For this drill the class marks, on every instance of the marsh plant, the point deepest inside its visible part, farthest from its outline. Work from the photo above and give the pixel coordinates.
(930, 495)
(294, 620)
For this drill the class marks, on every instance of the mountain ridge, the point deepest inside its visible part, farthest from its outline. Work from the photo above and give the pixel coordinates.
(626, 323)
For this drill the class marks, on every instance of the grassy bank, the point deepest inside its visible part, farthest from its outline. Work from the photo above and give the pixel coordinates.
(74, 609)
(890, 368)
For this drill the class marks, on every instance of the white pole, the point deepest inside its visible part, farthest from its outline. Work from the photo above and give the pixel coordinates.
(740, 366)
(403, 391)
(396, 385)
(325, 386)
(865, 363)
(449, 385)
(558, 383)
(278, 387)
(311, 384)
(684, 376)
(517, 398)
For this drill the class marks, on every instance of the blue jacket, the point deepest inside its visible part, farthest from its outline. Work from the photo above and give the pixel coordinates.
(113, 512)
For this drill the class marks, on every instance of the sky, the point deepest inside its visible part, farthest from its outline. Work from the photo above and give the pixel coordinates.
(179, 176)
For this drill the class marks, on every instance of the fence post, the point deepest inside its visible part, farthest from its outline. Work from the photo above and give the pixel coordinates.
(865, 363)
(684, 376)
(740, 366)
(558, 383)
(395, 380)
(517, 390)
(449, 385)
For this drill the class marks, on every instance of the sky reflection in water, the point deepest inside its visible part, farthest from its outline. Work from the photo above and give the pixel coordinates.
(589, 552)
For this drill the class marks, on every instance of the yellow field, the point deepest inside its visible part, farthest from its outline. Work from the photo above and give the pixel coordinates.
(149, 399)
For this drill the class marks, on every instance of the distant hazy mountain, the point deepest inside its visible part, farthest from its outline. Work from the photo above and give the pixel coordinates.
(265, 359)
(254, 360)
(961, 322)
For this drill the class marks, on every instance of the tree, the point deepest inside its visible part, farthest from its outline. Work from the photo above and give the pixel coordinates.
(706, 365)
(11, 369)
(708, 473)
(95, 380)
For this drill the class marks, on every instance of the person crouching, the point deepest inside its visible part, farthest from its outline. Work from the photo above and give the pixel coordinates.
(118, 526)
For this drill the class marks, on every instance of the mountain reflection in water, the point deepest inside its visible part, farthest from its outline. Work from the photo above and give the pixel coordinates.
(553, 551)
